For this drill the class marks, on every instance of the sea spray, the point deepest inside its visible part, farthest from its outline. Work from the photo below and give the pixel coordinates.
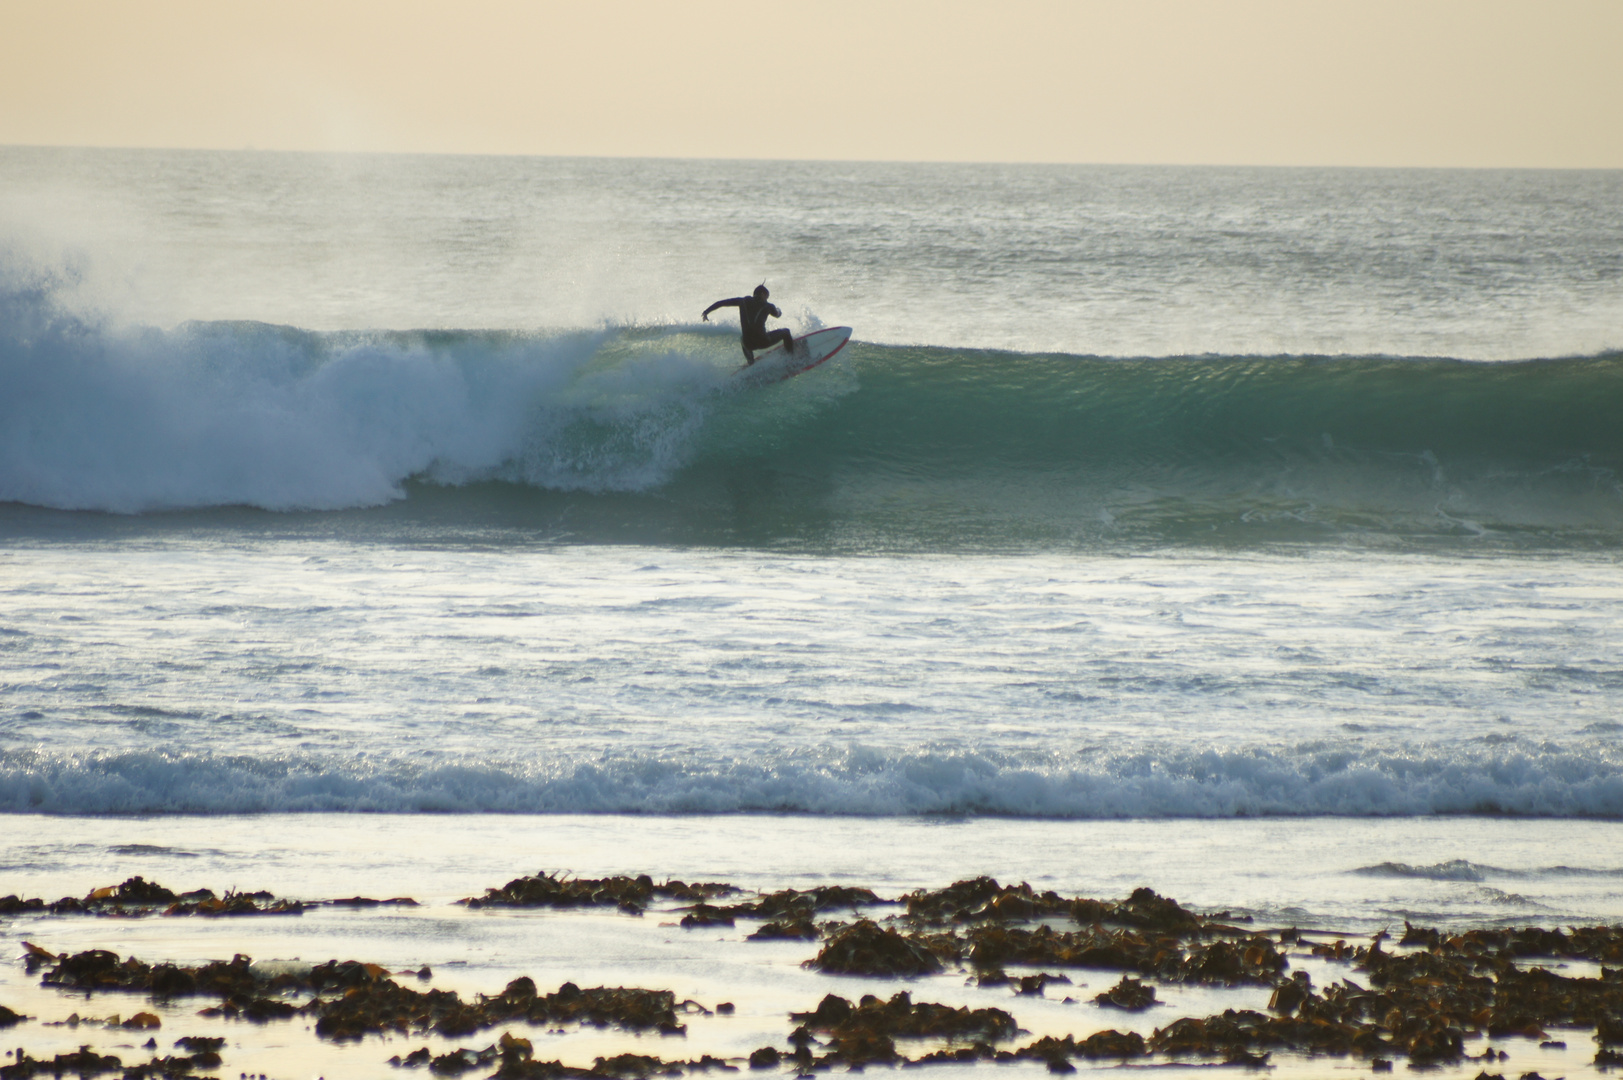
(105, 417)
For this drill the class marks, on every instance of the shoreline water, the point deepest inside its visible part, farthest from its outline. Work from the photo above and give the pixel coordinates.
(1361, 872)
(1349, 878)
(238, 674)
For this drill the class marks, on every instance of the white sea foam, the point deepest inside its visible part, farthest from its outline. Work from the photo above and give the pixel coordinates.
(1174, 783)
(108, 417)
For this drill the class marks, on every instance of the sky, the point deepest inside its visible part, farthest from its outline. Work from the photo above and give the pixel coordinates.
(1499, 83)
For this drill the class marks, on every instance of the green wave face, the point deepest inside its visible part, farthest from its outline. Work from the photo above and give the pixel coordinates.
(942, 449)
(647, 435)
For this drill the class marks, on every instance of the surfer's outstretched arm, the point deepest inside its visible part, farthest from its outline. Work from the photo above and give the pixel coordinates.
(737, 302)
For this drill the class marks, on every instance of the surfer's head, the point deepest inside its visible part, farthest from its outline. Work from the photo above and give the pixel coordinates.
(761, 292)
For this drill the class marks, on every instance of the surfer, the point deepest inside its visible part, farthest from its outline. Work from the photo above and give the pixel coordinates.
(752, 313)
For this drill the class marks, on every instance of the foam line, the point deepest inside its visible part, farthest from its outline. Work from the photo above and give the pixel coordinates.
(1583, 782)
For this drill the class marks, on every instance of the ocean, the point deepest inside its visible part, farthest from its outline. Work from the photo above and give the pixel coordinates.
(393, 524)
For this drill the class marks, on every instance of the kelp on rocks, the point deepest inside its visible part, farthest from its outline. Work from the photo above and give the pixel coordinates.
(85, 1062)
(791, 904)
(789, 913)
(383, 1005)
(514, 1058)
(866, 1033)
(1252, 960)
(866, 948)
(137, 897)
(1423, 1004)
(350, 999)
(630, 894)
(1423, 998)
(982, 899)
(1130, 995)
(82, 1062)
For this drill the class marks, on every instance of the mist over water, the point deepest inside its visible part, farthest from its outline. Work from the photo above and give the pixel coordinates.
(1079, 260)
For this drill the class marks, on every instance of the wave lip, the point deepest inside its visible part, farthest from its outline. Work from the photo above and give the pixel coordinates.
(857, 781)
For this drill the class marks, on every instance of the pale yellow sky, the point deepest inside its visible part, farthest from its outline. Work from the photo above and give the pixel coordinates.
(1266, 82)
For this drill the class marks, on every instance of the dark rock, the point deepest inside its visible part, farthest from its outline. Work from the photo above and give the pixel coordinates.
(702, 914)
(629, 894)
(1034, 985)
(83, 1062)
(866, 1033)
(865, 948)
(801, 928)
(1129, 994)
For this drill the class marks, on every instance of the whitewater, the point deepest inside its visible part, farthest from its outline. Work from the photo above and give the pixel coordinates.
(399, 492)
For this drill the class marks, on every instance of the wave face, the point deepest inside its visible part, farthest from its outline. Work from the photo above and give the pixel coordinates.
(641, 434)
(1165, 781)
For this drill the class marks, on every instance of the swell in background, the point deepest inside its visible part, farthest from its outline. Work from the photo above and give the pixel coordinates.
(1082, 260)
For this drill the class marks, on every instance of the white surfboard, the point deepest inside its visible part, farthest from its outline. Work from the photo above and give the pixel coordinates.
(777, 364)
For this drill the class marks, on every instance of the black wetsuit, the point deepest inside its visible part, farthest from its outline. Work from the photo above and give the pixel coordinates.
(752, 315)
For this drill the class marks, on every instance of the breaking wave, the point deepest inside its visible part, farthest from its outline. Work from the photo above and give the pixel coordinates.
(1452, 870)
(1467, 871)
(1177, 782)
(641, 434)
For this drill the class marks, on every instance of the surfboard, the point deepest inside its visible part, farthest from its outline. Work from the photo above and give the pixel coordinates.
(776, 364)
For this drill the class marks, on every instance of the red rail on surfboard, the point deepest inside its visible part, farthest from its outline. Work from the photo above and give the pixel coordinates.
(777, 364)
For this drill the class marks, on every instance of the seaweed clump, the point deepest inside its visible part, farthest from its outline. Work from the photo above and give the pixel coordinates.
(791, 913)
(631, 895)
(1146, 934)
(243, 992)
(136, 897)
(1057, 1053)
(86, 1062)
(380, 1004)
(1130, 995)
(1252, 960)
(99, 969)
(1422, 1003)
(514, 1058)
(865, 1033)
(350, 999)
(865, 948)
(83, 1061)
(982, 898)
(793, 904)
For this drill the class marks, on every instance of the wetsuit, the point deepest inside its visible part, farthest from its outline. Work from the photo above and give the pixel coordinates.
(752, 313)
